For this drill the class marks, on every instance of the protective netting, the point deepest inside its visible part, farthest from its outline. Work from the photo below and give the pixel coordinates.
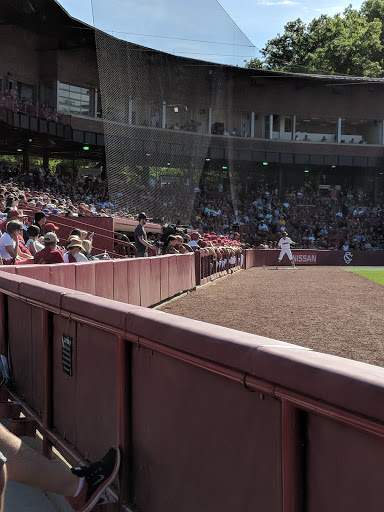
(159, 110)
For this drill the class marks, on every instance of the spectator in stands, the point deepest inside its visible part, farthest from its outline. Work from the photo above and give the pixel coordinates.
(9, 242)
(193, 243)
(50, 227)
(171, 247)
(180, 246)
(87, 248)
(75, 232)
(11, 215)
(33, 243)
(81, 486)
(49, 254)
(141, 242)
(74, 254)
(39, 221)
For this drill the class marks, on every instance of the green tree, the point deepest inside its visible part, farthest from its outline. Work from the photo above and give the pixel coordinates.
(350, 43)
(254, 63)
(288, 51)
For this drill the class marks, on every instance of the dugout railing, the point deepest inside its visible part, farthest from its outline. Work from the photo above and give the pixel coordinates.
(207, 418)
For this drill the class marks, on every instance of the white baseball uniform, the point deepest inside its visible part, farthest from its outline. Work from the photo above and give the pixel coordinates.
(285, 245)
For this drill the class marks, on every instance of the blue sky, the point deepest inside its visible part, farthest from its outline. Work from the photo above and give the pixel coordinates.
(259, 20)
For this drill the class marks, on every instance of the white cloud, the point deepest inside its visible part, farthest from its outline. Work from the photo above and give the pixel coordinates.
(281, 2)
(334, 9)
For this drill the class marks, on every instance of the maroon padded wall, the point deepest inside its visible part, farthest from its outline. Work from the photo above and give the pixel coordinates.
(204, 415)
(268, 257)
(139, 281)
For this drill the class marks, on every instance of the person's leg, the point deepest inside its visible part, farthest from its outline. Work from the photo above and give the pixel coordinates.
(3, 485)
(280, 257)
(290, 256)
(26, 466)
(82, 486)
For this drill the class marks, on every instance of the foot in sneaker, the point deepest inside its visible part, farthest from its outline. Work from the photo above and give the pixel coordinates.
(97, 477)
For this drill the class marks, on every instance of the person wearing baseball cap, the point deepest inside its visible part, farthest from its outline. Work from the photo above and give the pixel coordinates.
(285, 248)
(11, 215)
(141, 242)
(49, 254)
(194, 242)
(50, 227)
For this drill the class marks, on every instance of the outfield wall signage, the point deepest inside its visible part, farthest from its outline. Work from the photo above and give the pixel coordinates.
(305, 257)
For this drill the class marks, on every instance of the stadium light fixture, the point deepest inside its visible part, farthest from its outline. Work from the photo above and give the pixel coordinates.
(86, 148)
(29, 140)
(224, 167)
(333, 166)
(265, 163)
(19, 150)
(306, 171)
(207, 159)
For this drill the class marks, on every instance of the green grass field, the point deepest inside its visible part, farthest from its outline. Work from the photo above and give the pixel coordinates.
(375, 274)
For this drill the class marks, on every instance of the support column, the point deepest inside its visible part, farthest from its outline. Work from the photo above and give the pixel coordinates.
(26, 158)
(252, 124)
(164, 116)
(382, 133)
(294, 127)
(262, 121)
(210, 120)
(338, 136)
(270, 126)
(281, 127)
(130, 111)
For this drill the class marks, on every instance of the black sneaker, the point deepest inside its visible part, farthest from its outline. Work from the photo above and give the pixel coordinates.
(97, 478)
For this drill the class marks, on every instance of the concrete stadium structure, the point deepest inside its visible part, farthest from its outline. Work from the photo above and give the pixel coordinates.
(330, 125)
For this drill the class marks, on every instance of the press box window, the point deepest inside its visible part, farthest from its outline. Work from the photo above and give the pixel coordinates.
(74, 100)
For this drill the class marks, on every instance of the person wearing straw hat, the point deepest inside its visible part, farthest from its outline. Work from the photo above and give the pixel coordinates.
(74, 248)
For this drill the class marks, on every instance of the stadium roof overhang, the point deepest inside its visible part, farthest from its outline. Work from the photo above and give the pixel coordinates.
(49, 18)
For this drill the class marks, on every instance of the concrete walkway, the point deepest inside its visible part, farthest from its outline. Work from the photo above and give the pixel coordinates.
(22, 498)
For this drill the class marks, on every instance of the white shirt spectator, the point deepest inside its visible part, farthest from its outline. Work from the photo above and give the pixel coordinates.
(6, 240)
(345, 247)
(39, 246)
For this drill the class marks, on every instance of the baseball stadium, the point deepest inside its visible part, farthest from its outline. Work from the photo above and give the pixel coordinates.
(192, 269)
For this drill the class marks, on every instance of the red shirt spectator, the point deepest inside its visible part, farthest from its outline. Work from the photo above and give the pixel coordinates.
(49, 254)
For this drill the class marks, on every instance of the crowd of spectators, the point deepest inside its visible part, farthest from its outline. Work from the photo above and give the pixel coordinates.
(12, 101)
(329, 219)
(323, 219)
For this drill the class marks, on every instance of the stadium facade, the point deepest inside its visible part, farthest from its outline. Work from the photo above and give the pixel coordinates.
(285, 128)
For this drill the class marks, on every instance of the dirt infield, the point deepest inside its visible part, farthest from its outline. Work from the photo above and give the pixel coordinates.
(324, 308)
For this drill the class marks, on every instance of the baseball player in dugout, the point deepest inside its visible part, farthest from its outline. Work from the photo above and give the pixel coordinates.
(285, 248)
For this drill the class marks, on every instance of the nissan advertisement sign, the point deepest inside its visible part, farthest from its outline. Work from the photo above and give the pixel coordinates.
(305, 257)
